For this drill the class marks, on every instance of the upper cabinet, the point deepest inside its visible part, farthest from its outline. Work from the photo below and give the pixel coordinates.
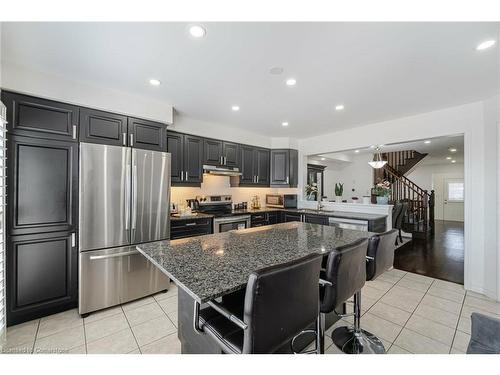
(103, 127)
(186, 159)
(118, 130)
(147, 134)
(220, 153)
(41, 118)
(254, 165)
(284, 168)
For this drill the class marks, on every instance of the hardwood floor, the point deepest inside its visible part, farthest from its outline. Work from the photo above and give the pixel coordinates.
(441, 256)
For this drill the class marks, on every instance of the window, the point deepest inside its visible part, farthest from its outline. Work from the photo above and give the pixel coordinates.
(3, 318)
(455, 191)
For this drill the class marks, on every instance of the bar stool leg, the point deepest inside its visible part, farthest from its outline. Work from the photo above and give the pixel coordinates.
(356, 340)
(320, 329)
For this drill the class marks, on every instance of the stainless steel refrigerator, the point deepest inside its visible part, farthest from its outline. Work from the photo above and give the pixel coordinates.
(124, 201)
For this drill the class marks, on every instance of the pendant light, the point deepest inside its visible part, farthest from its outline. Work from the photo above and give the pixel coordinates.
(378, 162)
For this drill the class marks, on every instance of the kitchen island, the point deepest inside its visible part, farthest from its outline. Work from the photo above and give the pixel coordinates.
(212, 266)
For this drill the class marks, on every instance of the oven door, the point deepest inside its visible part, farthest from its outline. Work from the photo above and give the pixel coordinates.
(224, 224)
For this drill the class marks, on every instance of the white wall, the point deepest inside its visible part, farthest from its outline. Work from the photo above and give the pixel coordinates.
(422, 174)
(218, 185)
(209, 129)
(479, 123)
(354, 174)
(21, 79)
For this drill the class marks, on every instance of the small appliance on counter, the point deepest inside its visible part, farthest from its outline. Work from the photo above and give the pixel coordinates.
(281, 200)
(194, 204)
(174, 208)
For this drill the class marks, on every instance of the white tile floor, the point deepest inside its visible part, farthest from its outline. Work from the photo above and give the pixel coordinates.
(408, 312)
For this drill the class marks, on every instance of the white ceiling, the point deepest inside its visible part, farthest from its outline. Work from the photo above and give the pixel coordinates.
(379, 71)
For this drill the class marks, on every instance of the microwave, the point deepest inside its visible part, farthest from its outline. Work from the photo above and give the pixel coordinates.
(281, 200)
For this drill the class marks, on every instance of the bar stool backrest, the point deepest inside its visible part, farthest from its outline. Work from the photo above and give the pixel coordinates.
(381, 248)
(280, 302)
(346, 270)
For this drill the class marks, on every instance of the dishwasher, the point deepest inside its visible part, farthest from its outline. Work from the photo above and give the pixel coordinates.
(348, 223)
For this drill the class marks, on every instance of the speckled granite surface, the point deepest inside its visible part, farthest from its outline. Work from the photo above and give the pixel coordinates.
(199, 215)
(210, 266)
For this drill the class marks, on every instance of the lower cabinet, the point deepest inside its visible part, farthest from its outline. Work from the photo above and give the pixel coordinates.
(291, 216)
(190, 228)
(42, 275)
(316, 219)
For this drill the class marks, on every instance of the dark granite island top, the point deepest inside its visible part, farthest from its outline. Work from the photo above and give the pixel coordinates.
(211, 266)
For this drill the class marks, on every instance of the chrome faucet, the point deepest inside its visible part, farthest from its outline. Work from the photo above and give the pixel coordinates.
(320, 205)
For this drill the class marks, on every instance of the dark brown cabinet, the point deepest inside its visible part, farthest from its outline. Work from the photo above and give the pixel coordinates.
(103, 127)
(220, 153)
(42, 275)
(41, 118)
(254, 166)
(284, 168)
(43, 185)
(290, 216)
(119, 130)
(316, 219)
(190, 228)
(147, 134)
(186, 159)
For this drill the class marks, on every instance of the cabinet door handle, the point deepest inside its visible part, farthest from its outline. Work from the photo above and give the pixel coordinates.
(186, 175)
(131, 139)
(182, 175)
(225, 160)
(190, 224)
(74, 131)
(124, 139)
(257, 179)
(73, 240)
(287, 180)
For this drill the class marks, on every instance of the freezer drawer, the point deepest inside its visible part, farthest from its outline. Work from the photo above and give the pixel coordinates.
(114, 276)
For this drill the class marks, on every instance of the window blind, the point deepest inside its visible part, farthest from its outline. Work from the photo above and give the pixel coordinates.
(3, 308)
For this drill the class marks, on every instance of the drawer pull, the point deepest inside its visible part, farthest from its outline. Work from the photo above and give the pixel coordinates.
(190, 224)
(97, 257)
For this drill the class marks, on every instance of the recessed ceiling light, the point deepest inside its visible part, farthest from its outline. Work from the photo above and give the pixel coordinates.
(448, 158)
(284, 123)
(154, 82)
(427, 142)
(291, 82)
(276, 70)
(323, 158)
(453, 161)
(485, 45)
(453, 149)
(197, 31)
(357, 151)
(235, 108)
(372, 146)
(339, 107)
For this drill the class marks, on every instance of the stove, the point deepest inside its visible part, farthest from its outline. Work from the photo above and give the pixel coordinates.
(221, 207)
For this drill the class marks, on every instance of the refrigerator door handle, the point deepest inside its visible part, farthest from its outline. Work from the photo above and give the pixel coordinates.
(127, 198)
(134, 197)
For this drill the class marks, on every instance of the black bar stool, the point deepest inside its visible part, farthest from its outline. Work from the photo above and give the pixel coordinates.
(344, 275)
(379, 258)
(280, 303)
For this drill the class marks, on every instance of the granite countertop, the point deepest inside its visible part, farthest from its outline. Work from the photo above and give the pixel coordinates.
(210, 266)
(199, 215)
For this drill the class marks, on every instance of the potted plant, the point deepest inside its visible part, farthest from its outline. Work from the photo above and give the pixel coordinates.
(339, 191)
(312, 191)
(383, 191)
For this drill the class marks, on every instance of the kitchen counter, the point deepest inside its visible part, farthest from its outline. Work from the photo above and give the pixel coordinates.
(199, 215)
(340, 214)
(208, 267)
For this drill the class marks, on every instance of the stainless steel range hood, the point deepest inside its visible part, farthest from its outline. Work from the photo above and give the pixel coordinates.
(221, 171)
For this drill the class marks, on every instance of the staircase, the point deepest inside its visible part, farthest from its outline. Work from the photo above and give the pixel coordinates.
(419, 219)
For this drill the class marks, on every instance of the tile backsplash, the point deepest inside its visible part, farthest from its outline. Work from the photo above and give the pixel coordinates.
(219, 185)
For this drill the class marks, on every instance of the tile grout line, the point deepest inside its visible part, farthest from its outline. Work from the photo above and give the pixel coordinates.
(404, 327)
(36, 336)
(84, 336)
(458, 322)
(131, 330)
